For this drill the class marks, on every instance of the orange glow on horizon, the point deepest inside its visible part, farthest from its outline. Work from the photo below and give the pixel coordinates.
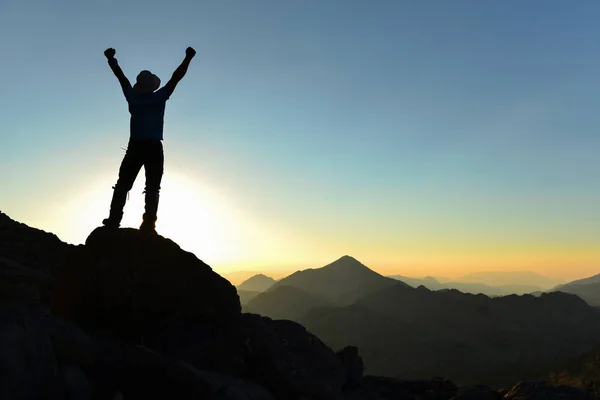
(232, 239)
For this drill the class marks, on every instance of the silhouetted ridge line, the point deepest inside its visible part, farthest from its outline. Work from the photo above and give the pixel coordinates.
(159, 323)
(31, 247)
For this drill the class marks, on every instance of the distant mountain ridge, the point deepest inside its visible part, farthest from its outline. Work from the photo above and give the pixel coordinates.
(584, 281)
(340, 282)
(588, 289)
(500, 278)
(418, 332)
(257, 283)
(432, 283)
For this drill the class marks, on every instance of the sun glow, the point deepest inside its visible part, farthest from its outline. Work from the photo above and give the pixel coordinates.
(193, 215)
(197, 219)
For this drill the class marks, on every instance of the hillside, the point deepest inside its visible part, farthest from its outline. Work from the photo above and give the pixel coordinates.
(408, 332)
(415, 332)
(466, 337)
(285, 302)
(588, 292)
(583, 371)
(246, 295)
(588, 289)
(584, 281)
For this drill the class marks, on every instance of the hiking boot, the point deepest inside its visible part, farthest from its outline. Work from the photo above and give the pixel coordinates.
(148, 227)
(111, 223)
(116, 208)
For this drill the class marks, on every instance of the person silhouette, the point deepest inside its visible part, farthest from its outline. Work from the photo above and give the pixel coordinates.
(147, 109)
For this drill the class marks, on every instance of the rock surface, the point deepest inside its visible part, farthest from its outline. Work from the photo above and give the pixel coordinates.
(353, 364)
(135, 317)
(19, 283)
(30, 247)
(28, 365)
(285, 358)
(147, 290)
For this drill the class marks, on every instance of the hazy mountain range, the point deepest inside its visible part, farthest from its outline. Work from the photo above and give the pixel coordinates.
(494, 283)
(504, 278)
(414, 332)
(432, 283)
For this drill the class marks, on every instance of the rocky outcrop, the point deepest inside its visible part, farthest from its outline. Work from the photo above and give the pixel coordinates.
(28, 364)
(136, 317)
(19, 283)
(282, 356)
(149, 291)
(30, 247)
(353, 365)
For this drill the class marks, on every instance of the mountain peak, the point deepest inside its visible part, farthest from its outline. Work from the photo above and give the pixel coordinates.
(258, 277)
(257, 283)
(342, 281)
(346, 263)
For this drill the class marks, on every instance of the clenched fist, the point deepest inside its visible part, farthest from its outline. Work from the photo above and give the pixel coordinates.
(190, 52)
(110, 53)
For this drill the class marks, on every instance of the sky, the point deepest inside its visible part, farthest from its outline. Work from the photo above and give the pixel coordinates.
(421, 137)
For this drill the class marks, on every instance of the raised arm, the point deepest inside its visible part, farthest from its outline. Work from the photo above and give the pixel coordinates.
(114, 65)
(180, 71)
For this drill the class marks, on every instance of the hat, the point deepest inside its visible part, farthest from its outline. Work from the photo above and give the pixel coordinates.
(146, 82)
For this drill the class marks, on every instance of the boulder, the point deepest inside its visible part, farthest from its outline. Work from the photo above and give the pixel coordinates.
(75, 384)
(147, 290)
(353, 364)
(28, 366)
(289, 361)
(71, 345)
(22, 284)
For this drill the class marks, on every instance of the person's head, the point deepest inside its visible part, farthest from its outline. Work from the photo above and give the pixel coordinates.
(146, 82)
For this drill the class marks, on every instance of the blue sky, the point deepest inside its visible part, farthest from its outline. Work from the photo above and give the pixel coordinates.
(418, 136)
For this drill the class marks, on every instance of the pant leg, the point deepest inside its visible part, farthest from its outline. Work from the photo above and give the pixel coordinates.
(130, 167)
(153, 166)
